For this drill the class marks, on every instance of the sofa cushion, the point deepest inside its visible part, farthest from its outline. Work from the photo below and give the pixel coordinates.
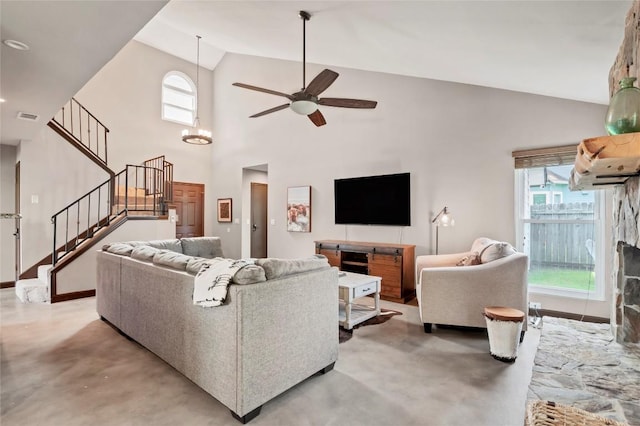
(208, 247)
(171, 259)
(173, 245)
(195, 263)
(144, 253)
(250, 274)
(122, 249)
(495, 251)
(275, 268)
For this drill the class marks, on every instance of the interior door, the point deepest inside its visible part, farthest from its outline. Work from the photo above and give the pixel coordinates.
(17, 210)
(259, 219)
(188, 200)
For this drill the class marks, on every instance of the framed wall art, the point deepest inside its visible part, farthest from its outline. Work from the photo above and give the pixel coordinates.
(224, 209)
(299, 209)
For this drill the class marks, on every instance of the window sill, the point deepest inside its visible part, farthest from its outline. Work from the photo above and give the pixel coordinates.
(594, 295)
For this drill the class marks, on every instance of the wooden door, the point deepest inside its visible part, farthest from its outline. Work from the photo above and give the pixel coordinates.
(188, 200)
(259, 219)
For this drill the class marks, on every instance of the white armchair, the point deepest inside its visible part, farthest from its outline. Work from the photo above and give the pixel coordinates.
(457, 295)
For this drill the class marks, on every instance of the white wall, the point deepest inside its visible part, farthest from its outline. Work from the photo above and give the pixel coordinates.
(80, 274)
(455, 140)
(126, 96)
(7, 205)
(55, 173)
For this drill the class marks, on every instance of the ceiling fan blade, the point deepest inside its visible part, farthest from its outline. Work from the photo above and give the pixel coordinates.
(347, 103)
(260, 89)
(269, 111)
(321, 82)
(317, 118)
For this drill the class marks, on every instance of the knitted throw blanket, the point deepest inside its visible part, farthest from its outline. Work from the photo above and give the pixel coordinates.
(211, 282)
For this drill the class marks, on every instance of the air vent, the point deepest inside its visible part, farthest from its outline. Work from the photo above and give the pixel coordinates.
(28, 116)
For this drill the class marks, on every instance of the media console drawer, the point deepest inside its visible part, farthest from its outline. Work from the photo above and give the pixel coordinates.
(394, 263)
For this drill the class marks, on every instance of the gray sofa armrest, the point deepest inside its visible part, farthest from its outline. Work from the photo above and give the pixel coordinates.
(288, 330)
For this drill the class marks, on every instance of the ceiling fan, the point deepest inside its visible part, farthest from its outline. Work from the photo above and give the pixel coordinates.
(306, 101)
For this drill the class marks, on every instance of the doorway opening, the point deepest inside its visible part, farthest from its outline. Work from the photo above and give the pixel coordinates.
(255, 211)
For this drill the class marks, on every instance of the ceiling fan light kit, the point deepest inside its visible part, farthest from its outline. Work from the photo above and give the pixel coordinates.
(306, 101)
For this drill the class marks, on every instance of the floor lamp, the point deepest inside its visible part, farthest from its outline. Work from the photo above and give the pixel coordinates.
(443, 218)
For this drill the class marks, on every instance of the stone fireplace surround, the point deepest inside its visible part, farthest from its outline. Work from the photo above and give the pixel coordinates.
(625, 321)
(625, 318)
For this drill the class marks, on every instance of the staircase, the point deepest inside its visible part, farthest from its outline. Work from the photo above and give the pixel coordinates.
(138, 190)
(35, 290)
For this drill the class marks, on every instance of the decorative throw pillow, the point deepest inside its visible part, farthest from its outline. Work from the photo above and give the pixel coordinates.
(208, 247)
(480, 243)
(123, 249)
(472, 259)
(496, 251)
(194, 264)
(250, 274)
(276, 268)
(171, 259)
(144, 253)
(173, 245)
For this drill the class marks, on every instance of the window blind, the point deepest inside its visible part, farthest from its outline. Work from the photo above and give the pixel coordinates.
(553, 156)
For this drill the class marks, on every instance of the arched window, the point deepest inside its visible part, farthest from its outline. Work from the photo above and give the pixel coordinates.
(178, 98)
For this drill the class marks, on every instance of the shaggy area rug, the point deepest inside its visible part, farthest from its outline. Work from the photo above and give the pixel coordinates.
(384, 316)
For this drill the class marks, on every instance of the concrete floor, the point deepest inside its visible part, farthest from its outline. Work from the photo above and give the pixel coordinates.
(61, 365)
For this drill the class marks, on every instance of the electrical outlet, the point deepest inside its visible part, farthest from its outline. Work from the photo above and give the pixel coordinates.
(535, 305)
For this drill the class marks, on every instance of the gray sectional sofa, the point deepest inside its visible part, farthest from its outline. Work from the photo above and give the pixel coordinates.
(277, 328)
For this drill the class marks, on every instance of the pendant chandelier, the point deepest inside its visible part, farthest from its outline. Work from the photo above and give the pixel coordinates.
(195, 135)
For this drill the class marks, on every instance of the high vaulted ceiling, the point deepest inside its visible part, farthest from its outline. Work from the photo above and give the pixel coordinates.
(556, 48)
(69, 41)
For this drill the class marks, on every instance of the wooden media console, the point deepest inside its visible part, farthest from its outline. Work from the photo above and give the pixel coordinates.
(394, 263)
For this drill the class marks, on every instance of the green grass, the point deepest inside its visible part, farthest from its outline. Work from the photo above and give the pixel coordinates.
(563, 278)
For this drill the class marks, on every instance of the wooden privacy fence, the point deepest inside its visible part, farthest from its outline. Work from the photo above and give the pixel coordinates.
(558, 244)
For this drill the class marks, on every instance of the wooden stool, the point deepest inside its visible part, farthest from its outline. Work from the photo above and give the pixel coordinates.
(504, 326)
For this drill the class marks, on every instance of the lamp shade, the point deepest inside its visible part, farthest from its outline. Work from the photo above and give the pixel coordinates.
(444, 218)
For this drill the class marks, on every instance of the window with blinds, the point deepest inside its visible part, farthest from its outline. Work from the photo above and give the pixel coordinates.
(560, 230)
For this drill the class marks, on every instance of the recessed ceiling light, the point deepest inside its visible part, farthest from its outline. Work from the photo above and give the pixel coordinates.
(2, 100)
(15, 44)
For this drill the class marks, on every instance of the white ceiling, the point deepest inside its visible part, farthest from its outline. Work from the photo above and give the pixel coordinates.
(555, 48)
(69, 42)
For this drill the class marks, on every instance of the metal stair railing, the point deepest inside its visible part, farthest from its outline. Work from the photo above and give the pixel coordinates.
(119, 195)
(84, 127)
(165, 185)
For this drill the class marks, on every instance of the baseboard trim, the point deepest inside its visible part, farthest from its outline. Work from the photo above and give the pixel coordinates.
(7, 284)
(72, 296)
(569, 315)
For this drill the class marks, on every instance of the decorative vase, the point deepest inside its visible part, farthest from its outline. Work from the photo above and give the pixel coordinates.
(623, 115)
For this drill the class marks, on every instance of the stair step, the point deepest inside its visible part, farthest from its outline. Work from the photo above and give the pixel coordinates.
(131, 191)
(43, 273)
(32, 290)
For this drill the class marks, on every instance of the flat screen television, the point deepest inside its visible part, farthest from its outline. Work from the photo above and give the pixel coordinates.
(373, 200)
